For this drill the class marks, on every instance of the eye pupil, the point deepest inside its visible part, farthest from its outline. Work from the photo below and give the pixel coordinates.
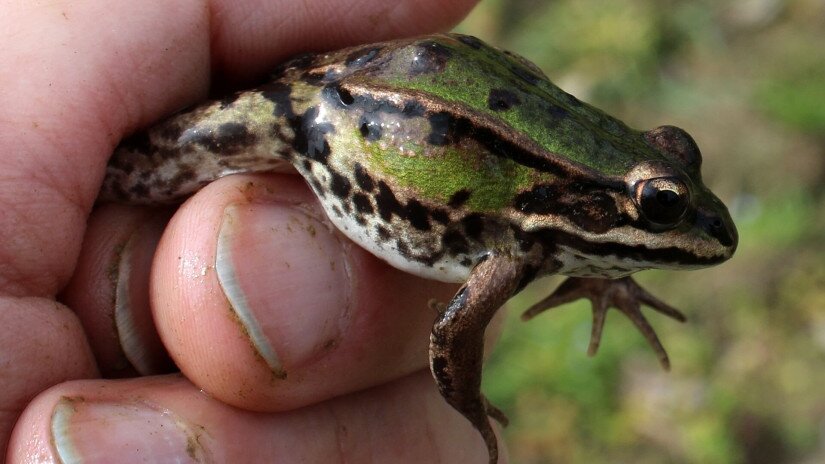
(667, 198)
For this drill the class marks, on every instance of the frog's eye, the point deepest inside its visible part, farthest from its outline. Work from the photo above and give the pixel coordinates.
(663, 200)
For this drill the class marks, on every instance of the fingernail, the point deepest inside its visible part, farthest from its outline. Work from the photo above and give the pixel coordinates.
(135, 328)
(92, 431)
(285, 275)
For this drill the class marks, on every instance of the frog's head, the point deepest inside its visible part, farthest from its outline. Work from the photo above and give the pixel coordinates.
(656, 213)
(672, 203)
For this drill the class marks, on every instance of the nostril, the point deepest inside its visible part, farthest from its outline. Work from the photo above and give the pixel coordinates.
(717, 228)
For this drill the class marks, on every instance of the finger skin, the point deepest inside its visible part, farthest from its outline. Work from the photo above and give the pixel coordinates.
(337, 318)
(405, 421)
(41, 344)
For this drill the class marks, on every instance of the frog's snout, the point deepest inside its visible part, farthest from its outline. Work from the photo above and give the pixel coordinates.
(719, 225)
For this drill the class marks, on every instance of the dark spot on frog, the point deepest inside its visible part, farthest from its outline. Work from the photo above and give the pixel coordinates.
(403, 249)
(138, 143)
(317, 186)
(339, 185)
(124, 166)
(171, 132)
(416, 213)
(363, 179)
(310, 135)
(440, 125)
(473, 226)
(537, 200)
(139, 190)
(318, 78)
(362, 203)
(387, 203)
(228, 100)
(278, 93)
(458, 198)
(455, 242)
(307, 165)
(502, 99)
(430, 57)
(230, 138)
(440, 215)
(337, 211)
(413, 108)
(383, 233)
(369, 105)
(338, 96)
(284, 153)
(361, 57)
(370, 127)
(470, 41)
(184, 175)
(303, 61)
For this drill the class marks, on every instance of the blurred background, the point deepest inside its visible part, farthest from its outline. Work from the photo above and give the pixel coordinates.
(747, 79)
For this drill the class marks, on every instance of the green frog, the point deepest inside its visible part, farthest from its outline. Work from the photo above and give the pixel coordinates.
(456, 161)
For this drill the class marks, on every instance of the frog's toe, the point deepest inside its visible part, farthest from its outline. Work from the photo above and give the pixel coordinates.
(495, 412)
(624, 294)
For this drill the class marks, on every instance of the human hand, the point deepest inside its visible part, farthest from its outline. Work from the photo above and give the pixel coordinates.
(350, 332)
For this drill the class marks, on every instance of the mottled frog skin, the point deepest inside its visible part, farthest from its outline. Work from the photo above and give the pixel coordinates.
(455, 161)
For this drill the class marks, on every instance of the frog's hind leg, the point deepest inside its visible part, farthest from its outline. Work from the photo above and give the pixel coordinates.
(457, 342)
(175, 158)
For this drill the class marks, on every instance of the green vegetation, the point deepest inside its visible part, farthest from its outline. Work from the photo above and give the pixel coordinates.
(747, 79)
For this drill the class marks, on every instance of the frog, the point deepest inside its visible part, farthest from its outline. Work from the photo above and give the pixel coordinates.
(456, 161)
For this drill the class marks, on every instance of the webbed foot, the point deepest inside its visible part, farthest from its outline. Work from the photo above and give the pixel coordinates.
(624, 294)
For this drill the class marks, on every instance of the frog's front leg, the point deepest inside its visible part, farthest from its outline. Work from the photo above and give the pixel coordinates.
(624, 294)
(457, 341)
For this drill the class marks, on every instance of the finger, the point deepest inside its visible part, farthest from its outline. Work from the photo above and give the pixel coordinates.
(250, 35)
(109, 290)
(166, 419)
(156, 57)
(264, 305)
(41, 344)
